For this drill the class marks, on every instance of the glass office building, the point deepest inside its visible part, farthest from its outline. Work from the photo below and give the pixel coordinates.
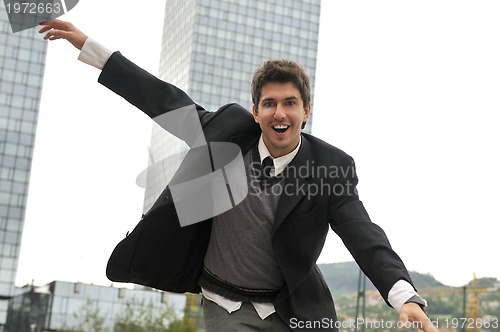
(61, 306)
(22, 61)
(210, 49)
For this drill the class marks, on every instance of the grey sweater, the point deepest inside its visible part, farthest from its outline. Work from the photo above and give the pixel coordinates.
(240, 263)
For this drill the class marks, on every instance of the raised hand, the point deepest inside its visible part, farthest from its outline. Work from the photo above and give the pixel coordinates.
(57, 29)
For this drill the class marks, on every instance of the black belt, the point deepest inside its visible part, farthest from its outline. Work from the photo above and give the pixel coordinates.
(215, 284)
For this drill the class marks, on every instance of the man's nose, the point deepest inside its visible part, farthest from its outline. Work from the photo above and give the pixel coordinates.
(280, 112)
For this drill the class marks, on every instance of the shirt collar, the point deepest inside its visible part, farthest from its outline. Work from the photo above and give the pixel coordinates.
(280, 163)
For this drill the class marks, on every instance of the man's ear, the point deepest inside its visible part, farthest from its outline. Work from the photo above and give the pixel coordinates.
(255, 114)
(307, 111)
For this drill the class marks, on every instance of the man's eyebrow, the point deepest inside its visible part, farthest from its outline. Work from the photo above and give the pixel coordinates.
(273, 99)
(267, 99)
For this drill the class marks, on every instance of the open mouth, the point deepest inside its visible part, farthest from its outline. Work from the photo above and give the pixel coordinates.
(280, 128)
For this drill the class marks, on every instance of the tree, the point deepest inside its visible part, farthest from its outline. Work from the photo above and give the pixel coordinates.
(136, 316)
(90, 319)
(141, 317)
(183, 325)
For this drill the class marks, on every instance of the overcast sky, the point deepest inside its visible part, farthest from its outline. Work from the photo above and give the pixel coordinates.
(408, 88)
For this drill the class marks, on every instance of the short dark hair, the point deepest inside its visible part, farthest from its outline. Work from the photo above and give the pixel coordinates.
(281, 71)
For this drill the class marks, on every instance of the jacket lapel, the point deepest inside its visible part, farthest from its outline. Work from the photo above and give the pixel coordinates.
(295, 186)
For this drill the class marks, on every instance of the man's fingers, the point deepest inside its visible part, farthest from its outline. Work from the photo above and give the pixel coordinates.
(54, 38)
(44, 29)
(413, 316)
(53, 34)
(54, 24)
(57, 29)
(428, 326)
(425, 322)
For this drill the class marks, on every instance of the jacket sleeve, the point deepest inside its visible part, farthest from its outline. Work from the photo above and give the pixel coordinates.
(144, 90)
(366, 241)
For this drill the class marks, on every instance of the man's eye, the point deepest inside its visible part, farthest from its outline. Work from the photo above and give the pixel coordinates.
(268, 104)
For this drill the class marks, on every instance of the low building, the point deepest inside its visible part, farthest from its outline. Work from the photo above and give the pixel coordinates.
(75, 306)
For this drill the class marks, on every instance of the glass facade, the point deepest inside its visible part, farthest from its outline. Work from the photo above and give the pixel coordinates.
(22, 61)
(75, 306)
(211, 48)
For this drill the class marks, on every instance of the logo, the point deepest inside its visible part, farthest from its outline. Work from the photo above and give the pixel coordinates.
(211, 178)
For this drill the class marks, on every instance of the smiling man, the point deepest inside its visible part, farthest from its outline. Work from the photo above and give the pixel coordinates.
(281, 114)
(256, 263)
(279, 107)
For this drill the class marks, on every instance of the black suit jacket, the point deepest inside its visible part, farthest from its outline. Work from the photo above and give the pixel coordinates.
(161, 254)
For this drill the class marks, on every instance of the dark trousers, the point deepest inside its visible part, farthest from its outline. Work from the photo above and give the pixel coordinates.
(217, 319)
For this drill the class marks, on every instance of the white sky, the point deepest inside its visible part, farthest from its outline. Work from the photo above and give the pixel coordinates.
(408, 88)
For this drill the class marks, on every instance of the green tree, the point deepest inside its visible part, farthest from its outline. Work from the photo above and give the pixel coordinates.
(141, 317)
(89, 317)
(136, 316)
(183, 325)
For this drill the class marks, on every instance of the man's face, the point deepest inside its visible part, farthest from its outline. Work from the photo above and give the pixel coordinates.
(280, 114)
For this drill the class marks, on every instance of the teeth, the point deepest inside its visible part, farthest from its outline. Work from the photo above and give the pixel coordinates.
(280, 127)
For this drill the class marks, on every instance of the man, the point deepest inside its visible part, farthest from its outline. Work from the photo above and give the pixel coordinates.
(255, 264)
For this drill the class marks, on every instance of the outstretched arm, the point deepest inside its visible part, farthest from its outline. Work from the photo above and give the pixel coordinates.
(142, 89)
(57, 29)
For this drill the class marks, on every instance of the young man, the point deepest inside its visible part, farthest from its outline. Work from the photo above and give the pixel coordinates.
(255, 264)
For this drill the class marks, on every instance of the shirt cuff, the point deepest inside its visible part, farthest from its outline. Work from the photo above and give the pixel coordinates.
(403, 292)
(94, 53)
